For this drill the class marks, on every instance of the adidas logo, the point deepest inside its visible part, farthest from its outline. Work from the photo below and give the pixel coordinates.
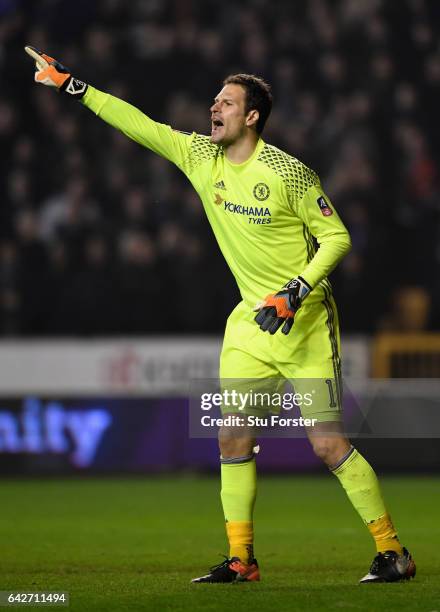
(220, 185)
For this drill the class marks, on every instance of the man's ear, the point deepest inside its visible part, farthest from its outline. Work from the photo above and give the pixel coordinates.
(252, 118)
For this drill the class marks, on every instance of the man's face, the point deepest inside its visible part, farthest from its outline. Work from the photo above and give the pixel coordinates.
(228, 119)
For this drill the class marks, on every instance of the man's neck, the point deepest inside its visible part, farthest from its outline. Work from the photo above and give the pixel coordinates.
(241, 150)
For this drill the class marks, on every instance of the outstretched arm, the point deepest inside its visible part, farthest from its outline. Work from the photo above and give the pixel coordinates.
(160, 138)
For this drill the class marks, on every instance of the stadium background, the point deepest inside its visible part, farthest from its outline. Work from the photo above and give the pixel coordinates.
(103, 244)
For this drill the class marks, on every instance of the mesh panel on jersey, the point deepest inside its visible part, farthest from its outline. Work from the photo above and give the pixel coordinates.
(202, 149)
(296, 176)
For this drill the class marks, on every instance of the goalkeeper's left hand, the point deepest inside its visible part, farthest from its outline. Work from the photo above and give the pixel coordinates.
(52, 73)
(280, 308)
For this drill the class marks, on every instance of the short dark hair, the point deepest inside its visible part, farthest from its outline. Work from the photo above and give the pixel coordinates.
(258, 95)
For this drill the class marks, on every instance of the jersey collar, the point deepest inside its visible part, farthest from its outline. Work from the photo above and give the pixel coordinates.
(249, 160)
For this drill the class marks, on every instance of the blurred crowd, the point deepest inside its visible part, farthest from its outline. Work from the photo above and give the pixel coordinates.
(99, 236)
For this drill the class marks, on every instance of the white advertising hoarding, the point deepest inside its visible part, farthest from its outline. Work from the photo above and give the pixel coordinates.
(157, 366)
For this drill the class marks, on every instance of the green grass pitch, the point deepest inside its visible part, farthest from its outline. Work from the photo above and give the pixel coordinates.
(134, 544)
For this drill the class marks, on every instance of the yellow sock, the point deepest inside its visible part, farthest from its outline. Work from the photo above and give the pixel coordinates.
(239, 489)
(363, 490)
(384, 534)
(241, 538)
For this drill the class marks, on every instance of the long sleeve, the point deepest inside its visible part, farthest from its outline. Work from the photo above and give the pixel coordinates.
(160, 138)
(323, 222)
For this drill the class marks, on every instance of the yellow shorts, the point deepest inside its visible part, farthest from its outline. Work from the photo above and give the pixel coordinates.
(308, 358)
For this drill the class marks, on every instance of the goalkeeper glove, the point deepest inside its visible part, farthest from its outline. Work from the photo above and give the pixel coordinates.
(52, 73)
(281, 308)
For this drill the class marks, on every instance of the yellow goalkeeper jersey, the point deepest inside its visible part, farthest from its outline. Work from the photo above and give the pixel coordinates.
(269, 214)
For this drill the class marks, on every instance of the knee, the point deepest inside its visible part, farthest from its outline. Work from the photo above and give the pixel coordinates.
(235, 447)
(331, 450)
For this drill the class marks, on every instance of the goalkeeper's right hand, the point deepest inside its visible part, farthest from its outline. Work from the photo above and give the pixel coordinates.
(52, 73)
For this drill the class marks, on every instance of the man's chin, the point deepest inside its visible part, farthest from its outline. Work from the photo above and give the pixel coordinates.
(216, 139)
(218, 136)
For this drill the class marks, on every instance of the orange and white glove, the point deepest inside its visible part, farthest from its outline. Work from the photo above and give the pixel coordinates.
(280, 308)
(53, 74)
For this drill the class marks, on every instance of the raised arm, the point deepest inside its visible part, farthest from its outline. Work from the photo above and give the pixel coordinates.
(160, 138)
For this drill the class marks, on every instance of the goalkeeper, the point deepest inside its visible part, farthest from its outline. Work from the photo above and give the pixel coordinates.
(281, 237)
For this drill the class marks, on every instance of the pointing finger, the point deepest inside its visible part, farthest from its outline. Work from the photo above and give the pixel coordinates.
(39, 60)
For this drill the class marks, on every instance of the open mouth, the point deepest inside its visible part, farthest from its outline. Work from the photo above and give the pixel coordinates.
(217, 124)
